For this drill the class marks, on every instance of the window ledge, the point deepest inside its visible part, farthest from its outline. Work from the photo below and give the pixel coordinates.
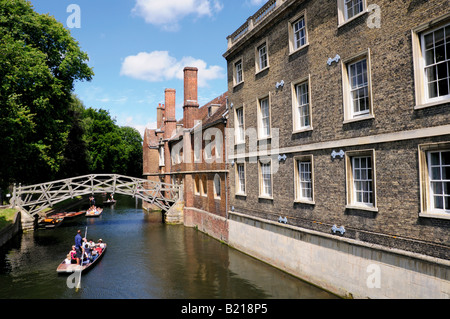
(262, 70)
(265, 197)
(435, 215)
(305, 129)
(240, 194)
(304, 201)
(352, 18)
(237, 84)
(368, 208)
(430, 104)
(359, 118)
(299, 49)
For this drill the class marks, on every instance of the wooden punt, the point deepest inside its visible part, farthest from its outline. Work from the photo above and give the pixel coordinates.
(64, 268)
(109, 202)
(94, 213)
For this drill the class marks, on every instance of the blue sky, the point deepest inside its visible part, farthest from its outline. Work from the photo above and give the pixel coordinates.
(138, 48)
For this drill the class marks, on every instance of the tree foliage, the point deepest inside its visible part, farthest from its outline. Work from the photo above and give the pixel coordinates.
(45, 131)
(39, 63)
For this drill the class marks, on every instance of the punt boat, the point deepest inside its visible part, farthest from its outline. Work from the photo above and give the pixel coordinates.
(64, 268)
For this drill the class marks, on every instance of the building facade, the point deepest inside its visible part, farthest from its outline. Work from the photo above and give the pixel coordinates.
(190, 152)
(341, 144)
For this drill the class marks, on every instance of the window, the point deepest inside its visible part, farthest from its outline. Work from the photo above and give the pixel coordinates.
(197, 185)
(357, 94)
(239, 126)
(301, 106)
(434, 167)
(431, 53)
(359, 87)
(262, 56)
(161, 156)
(439, 172)
(264, 118)
(350, 9)
(304, 179)
(298, 33)
(265, 189)
(217, 186)
(238, 72)
(204, 184)
(361, 180)
(436, 53)
(240, 179)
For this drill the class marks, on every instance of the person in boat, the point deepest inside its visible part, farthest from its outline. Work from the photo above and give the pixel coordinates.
(87, 252)
(74, 257)
(78, 245)
(68, 259)
(101, 244)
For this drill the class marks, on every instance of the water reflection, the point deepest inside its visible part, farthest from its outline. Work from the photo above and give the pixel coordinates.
(145, 259)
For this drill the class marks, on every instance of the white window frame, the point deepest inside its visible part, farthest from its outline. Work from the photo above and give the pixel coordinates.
(217, 186)
(420, 81)
(264, 181)
(296, 123)
(342, 12)
(236, 79)
(349, 114)
(352, 178)
(239, 127)
(261, 118)
(204, 185)
(301, 178)
(258, 57)
(241, 183)
(161, 156)
(197, 185)
(292, 34)
(427, 208)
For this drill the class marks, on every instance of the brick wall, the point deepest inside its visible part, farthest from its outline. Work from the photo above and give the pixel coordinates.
(397, 222)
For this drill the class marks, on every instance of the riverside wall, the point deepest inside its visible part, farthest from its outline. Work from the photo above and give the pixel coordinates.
(346, 267)
(7, 233)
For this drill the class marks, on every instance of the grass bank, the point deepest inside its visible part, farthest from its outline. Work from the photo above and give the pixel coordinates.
(6, 217)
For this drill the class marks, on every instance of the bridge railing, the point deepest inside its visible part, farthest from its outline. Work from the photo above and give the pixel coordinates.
(35, 198)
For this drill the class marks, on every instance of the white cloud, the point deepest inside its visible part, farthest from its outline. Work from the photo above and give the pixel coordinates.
(159, 66)
(166, 14)
(131, 122)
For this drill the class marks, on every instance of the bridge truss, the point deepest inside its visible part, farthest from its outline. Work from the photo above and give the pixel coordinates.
(36, 198)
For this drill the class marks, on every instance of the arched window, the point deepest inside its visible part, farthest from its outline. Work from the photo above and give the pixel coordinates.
(217, 186)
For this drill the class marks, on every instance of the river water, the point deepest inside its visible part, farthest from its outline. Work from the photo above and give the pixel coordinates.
(145, 259)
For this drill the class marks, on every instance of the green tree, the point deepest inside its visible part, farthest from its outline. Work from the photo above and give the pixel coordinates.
(39, 63)
(132, 153)
(110, 148)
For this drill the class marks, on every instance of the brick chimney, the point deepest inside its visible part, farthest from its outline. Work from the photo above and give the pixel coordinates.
(160, 115)
(170, 119)
(191, 105)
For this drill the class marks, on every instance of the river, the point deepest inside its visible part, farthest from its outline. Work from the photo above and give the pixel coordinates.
(145, 259)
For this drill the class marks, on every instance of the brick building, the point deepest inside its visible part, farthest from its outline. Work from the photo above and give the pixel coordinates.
(341, 116)
(189, 152)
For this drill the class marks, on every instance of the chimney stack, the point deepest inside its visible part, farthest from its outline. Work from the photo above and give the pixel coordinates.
(190, 97)
(170, 119)
(160, 115)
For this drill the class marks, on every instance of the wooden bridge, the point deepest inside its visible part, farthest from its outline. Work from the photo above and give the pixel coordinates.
(35, 198)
